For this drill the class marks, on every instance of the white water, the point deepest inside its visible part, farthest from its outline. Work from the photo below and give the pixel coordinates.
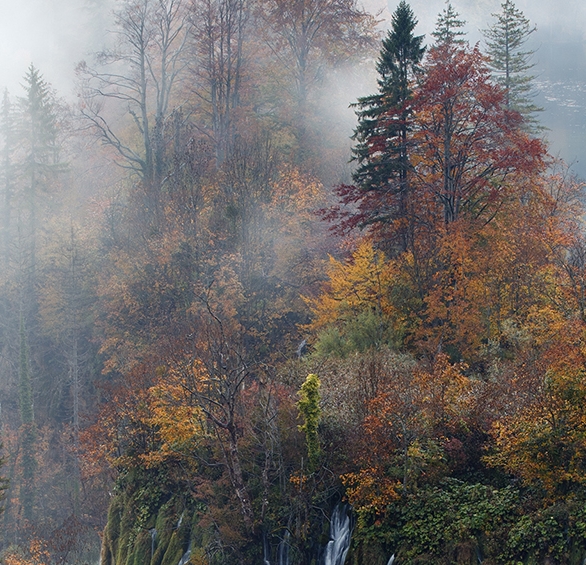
(283, 550)
(185, 559)
(340, 533)
(391, 560)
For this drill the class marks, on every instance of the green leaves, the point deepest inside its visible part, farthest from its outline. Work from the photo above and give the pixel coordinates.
(309, 409)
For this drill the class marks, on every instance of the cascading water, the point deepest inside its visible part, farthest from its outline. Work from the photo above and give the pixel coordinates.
(391, 560)
(153, 532)
(337, 549)
(340, 533)
(266, 549)
(283, 550)
(185, 559)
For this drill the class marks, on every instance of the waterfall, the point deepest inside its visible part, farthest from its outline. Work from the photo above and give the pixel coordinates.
(391, 560)
(283, 550)
(266, 549)
(340, 532)
(185, 559)
(153, 532)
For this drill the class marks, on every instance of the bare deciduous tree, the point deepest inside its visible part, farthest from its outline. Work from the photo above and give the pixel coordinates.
(142, 71)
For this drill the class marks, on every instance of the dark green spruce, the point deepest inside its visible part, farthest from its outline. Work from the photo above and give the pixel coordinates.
(382, 134)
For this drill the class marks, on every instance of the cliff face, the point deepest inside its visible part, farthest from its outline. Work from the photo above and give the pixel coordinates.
(148, 527)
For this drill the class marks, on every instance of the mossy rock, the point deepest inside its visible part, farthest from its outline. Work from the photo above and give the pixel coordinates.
(373, 554)
(175, 549)
(141, 550)
(128, 540)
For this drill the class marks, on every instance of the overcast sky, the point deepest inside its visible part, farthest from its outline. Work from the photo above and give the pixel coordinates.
(56, 34)
(51, 34)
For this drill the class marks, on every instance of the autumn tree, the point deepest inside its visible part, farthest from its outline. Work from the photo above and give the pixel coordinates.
(510, 62)
(216, 383)
(359, 309)
(468, 143)
(541, 440)
(219, 33)
(414, 432)
(382, 148)
(305, 37)
(306, 33)
(142, 71)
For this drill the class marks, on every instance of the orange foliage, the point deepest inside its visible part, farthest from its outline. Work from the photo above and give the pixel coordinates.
(411, 433)
(149, 420)
(37, 554)
(545, 443)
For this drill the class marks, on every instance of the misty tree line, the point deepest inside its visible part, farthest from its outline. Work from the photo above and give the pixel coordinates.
(210, 111)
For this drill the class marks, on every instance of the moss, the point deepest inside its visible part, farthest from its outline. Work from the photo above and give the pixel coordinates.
(112, 533)
(134, 512)
(140, 553)
(175, 549)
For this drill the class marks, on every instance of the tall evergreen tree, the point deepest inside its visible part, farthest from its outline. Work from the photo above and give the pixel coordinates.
(38, 135)
(383, 120)
(448, 29)
(509, 62)
(3, 484)
(9, 140)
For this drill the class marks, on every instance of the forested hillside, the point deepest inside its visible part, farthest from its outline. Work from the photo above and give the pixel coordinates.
(233, 331)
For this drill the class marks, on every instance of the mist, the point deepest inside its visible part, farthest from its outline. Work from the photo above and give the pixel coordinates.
(166, 262)
(53, 35)
(559, 45)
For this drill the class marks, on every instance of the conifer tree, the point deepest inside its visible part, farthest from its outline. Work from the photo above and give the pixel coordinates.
(38, 136)
(9, 140)
(383, 118)
(3, 485)
(448, 27)
(509, 62)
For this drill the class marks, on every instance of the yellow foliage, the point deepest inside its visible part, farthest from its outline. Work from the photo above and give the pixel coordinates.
(370, 490)
(37, 554)
(545, 443)
(360, 283)
(178, 423)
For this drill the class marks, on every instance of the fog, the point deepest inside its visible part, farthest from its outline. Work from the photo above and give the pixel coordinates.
(55, 34)
(559, 43)
(51, 34)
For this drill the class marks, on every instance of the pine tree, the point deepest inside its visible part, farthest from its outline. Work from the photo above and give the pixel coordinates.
(9, 141)
(383, 119)
(448, 27)
(37, 129)
(509, 62)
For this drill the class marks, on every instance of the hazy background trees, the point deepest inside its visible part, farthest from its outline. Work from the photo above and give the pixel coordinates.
(169, 283)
